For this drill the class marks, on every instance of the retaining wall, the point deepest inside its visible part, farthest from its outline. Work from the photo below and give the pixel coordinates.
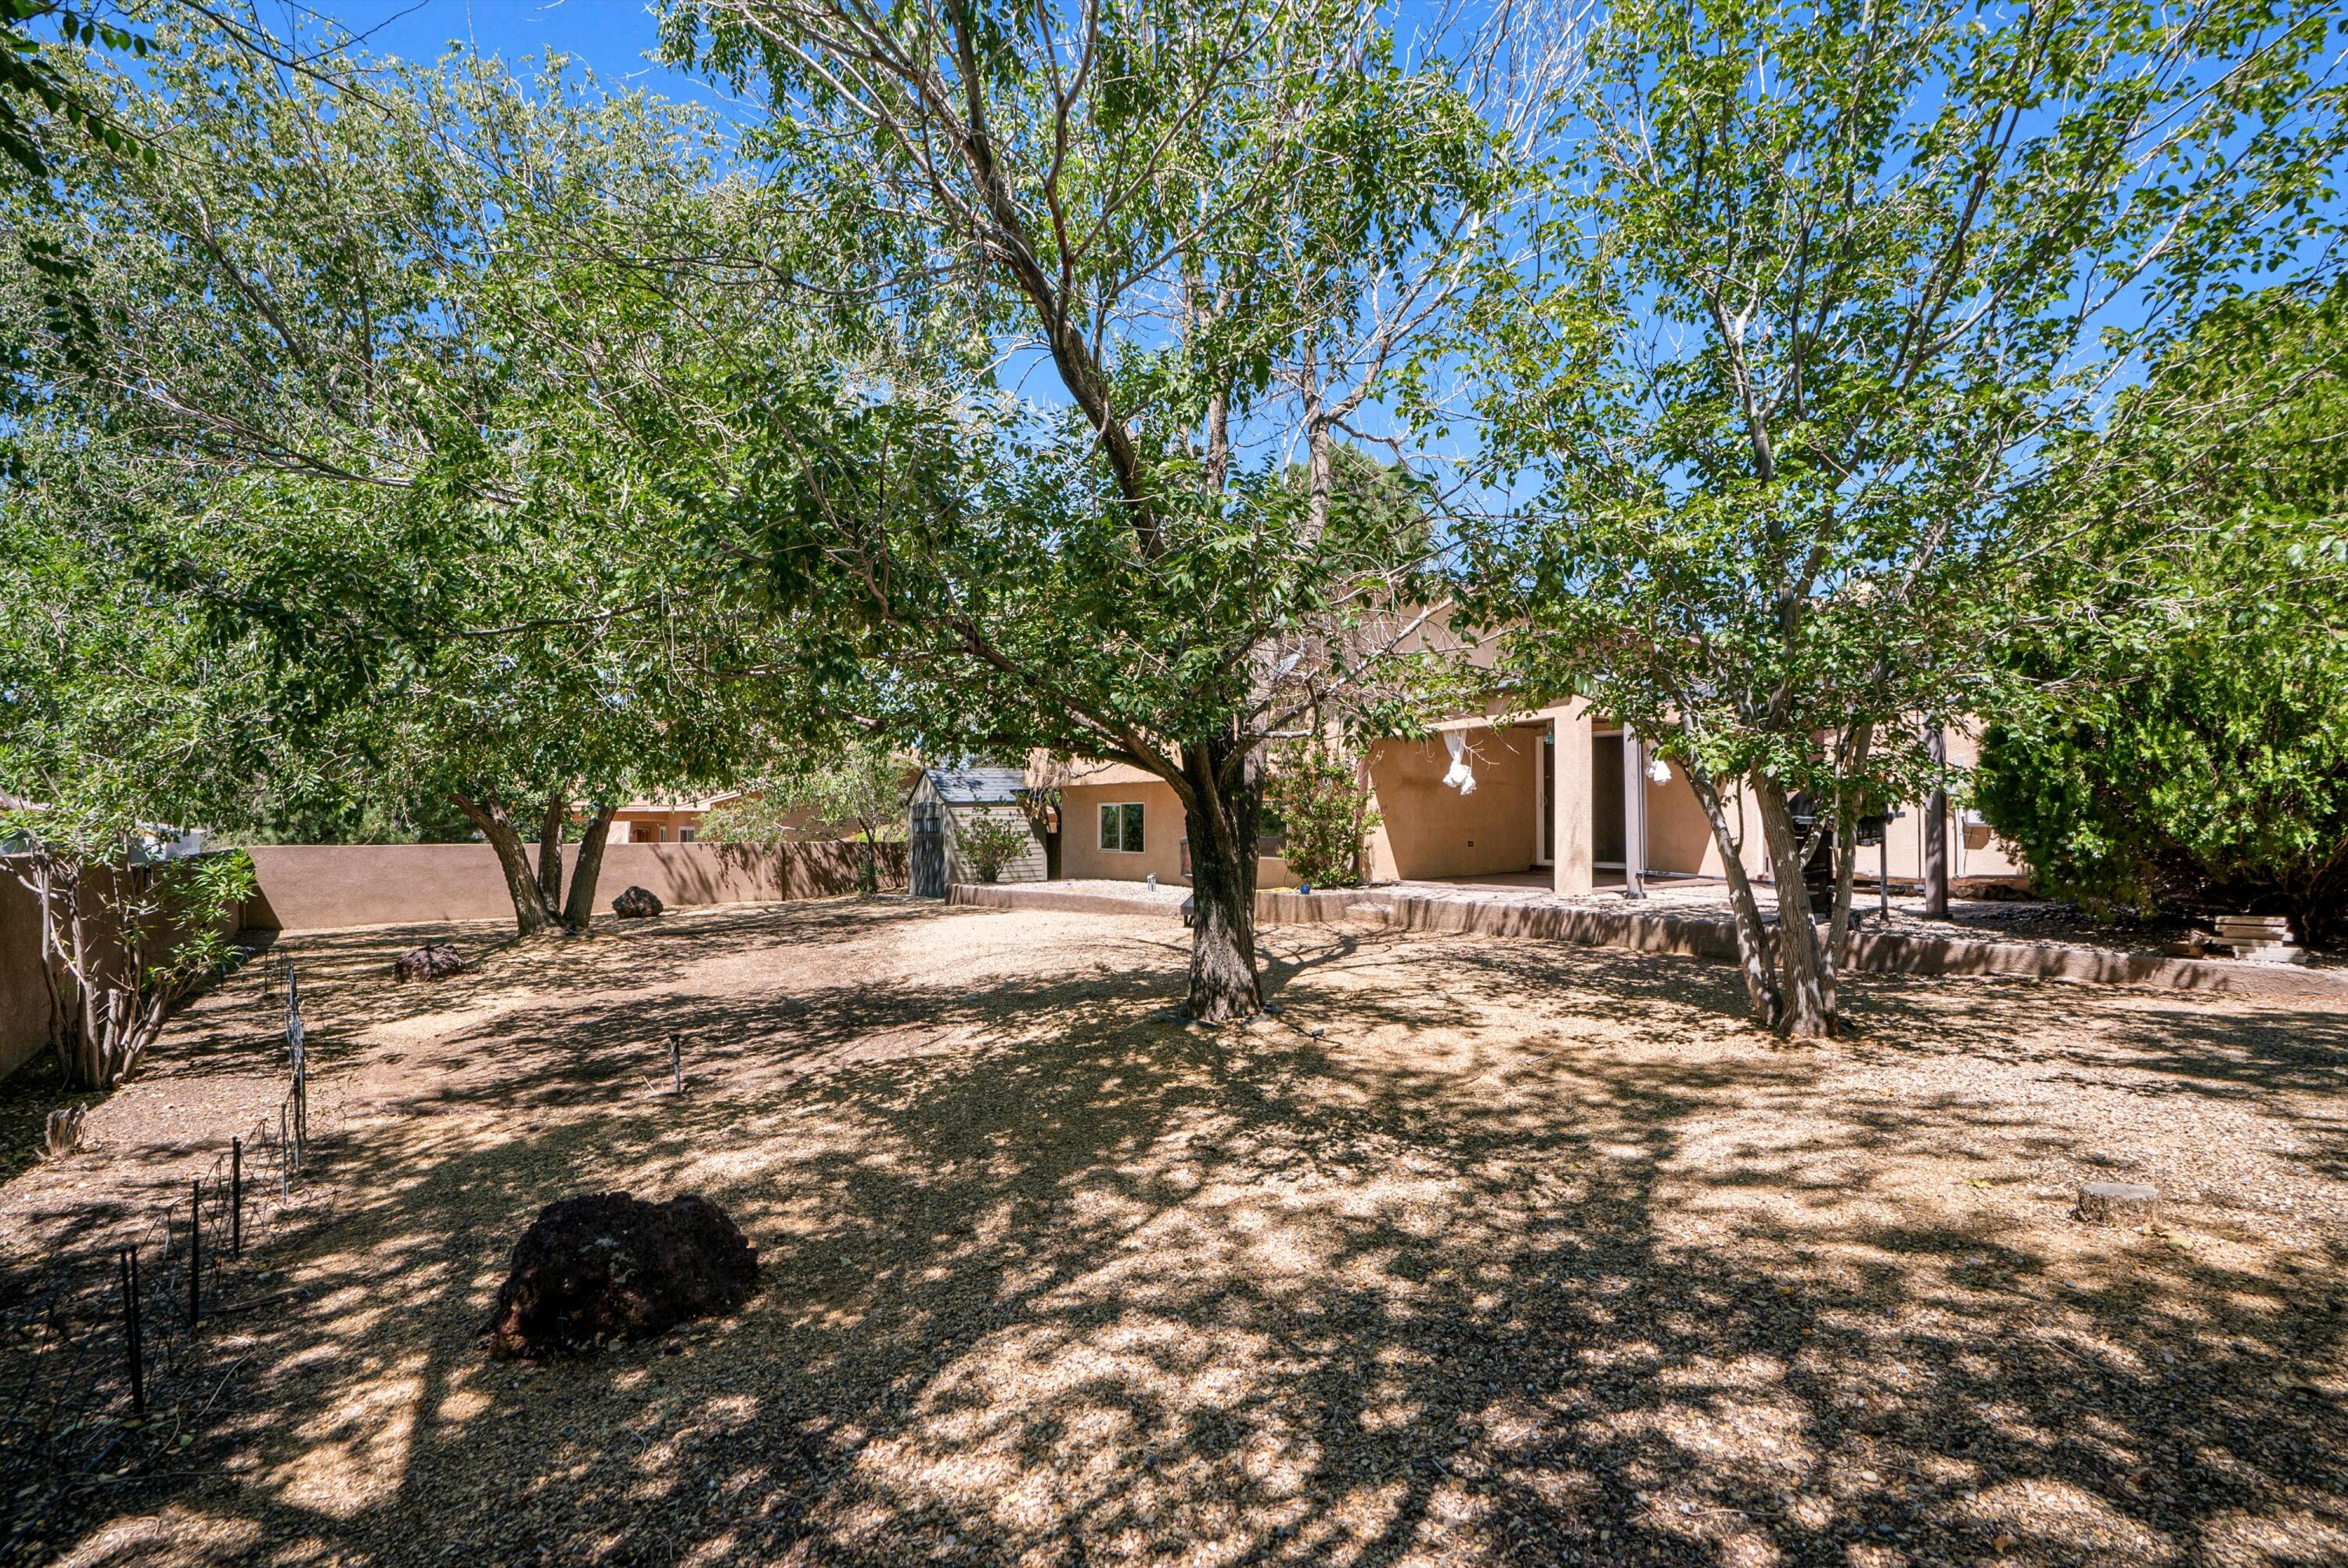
(1698, 937)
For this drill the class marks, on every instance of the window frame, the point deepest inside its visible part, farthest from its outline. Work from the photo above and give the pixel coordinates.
(1135, 843)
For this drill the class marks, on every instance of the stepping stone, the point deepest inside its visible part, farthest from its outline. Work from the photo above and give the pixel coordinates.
(2118, 1204)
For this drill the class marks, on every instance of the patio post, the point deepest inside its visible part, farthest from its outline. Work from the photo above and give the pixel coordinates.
(1634, 815)
(1570, 832)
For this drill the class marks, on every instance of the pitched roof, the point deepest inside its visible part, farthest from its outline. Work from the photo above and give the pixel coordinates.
(978, 786)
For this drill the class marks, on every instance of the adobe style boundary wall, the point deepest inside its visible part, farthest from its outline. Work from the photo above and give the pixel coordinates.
(338, 886)
(1714, 939)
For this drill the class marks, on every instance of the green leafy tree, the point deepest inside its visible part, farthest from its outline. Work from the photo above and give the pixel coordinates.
(387, 395)
(2177, 734)
(1220, 233)
(1817, 284)
(109, 703)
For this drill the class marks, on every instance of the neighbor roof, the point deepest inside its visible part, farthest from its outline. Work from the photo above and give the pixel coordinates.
(979, 786)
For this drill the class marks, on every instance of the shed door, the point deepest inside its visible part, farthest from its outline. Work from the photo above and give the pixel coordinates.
(927, 850)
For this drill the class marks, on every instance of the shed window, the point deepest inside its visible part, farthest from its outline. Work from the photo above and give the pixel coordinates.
(1120, 827)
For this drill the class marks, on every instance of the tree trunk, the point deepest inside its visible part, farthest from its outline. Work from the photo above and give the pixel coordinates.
(1752, 940)
(579, 910)
(531, 916)
(550, 850)
(1801, 959)
(1936, 830)
(1221, 816)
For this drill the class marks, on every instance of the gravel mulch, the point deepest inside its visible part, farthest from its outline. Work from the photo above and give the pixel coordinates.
(1482, 1252)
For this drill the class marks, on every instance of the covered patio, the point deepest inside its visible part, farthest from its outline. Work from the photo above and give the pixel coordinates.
(1561, 800)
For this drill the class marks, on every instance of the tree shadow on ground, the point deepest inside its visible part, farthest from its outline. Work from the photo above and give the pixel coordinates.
(1532, 1257)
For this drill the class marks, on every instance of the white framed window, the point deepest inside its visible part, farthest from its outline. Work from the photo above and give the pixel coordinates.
(687, 834)
(1120, 827)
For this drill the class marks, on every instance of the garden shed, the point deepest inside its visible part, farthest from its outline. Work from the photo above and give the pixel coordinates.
(947, 803)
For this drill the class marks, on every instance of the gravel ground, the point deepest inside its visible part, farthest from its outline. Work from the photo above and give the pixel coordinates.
(1484, 1252)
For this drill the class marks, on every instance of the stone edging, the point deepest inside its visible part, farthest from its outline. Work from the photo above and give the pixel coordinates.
(1654, 931)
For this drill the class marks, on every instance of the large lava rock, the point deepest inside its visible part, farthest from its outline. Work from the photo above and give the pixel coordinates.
(433, 961)
(636, 904)
(612, 1266)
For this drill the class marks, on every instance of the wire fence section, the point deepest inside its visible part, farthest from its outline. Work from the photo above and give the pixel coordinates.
(109, 1362)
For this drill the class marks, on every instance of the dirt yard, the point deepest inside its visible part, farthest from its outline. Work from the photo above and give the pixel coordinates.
(1484, 1252)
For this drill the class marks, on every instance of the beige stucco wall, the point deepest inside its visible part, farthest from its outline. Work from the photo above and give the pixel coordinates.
(1082, 858)
(1081, 855)
(333, 887)
(1429, 829)
(23, 996)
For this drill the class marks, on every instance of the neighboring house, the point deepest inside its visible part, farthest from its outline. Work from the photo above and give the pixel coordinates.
(1561, 796)
(677, 821)
(945, 801)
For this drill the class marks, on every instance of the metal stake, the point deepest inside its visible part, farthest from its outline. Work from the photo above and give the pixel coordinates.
(676, 1060)
(1884, 876)
(129, 1255)
(195, 1255)
(236, 1197)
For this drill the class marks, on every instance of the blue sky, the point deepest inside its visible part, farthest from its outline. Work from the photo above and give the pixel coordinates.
(611, 36)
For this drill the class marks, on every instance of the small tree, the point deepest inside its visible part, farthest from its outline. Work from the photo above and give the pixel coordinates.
(1820, 282)
(1325, 815)
(1223, 232)
(991, 843)
(126, 935)
(860, 790)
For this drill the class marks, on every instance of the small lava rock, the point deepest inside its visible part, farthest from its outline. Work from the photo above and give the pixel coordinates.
(613, 1266)
(433, 961)
(637, 904)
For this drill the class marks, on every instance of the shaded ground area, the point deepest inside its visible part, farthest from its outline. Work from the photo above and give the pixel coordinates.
(1532, 1254)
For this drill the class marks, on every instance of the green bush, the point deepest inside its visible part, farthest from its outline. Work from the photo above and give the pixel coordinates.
(991, 843)
(1325, 812)
(2179, 739)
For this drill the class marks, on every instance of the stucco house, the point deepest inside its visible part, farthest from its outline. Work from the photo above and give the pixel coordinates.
(1561, 796)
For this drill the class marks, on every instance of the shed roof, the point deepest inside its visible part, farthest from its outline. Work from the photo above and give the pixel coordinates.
(978, 786)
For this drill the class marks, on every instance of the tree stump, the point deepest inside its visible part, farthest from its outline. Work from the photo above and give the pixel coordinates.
(612, 1266)
(433, 961)
(636, 904)
(2118, 1204)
